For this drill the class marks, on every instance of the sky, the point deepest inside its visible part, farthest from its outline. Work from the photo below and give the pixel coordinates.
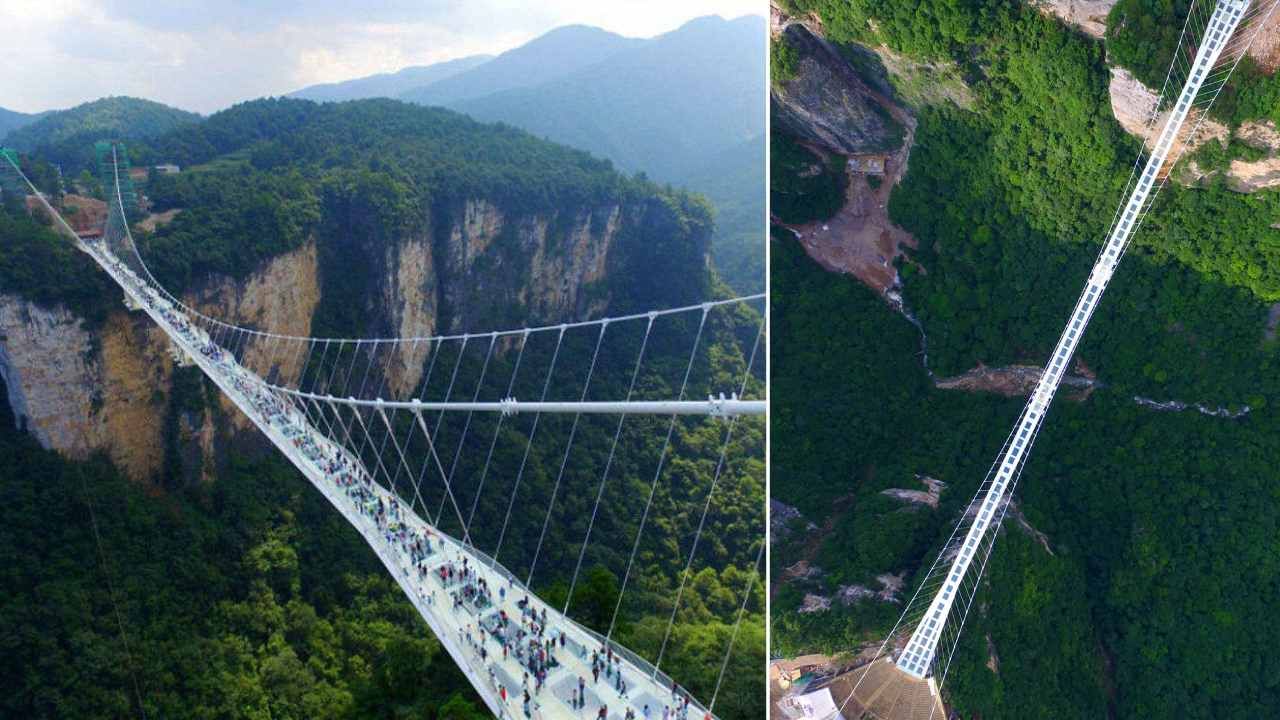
(205, 55)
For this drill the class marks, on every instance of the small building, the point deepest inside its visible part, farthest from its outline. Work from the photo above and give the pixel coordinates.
(789, 672)
(167, 169)
(867, 164)
(817, 705)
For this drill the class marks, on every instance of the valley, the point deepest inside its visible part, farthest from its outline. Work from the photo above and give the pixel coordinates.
(329, 220)
(1009, 182)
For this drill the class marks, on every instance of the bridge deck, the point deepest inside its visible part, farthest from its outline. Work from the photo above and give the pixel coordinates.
(464, 606)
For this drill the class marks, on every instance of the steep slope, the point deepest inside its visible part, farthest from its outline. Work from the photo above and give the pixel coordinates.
(820, 99)
(1007, 198)
(554, 55)
(367, 217)
(389, 85)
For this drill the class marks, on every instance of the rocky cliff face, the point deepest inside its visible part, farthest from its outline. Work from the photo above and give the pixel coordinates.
(79, 391)
(824, 103)
(542, 264)
(1132, 103)
(1088, 15)
(110, 388)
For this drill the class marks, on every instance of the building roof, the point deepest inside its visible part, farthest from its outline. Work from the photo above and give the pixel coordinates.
(817, 705)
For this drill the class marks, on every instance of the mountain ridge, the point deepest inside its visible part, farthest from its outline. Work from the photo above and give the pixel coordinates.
(552, 55)
(389, 84)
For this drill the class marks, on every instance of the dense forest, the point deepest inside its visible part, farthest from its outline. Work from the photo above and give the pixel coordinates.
(1157, 521)
(241, 598)
(296, 620)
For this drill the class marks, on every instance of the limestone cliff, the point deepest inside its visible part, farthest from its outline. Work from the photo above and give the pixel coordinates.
(81, 389)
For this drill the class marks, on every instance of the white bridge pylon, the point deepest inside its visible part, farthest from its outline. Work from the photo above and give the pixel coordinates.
(523, 656)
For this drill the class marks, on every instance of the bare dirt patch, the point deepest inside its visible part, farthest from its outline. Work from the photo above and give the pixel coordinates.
(803, 568)
(1266, 46)
(861, 240)
(83, 214)
(156, 220)
(1017, 380)
(929, 496)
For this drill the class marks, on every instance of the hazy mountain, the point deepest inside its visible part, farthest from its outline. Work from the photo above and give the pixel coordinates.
(548, 57)
(390, 84)
(685, 107)
(734, 181)
(12, 120)
(664, 106)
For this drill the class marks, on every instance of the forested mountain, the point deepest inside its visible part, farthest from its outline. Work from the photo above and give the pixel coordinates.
(664, 106)
(682, 107)
(11, 120)
(1144, 545)
(548, 57)
(66, 137)
(735, 181)
(389, 84)
(236, 585)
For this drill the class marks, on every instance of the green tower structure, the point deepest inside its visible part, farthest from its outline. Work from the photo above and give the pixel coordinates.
(107, 174)
(10, 181)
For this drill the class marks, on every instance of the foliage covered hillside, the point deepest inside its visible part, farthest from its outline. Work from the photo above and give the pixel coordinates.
(268, 174)
(66, 137)
(295, 619)
(682, 107)
(1158, 521)
(241, 599)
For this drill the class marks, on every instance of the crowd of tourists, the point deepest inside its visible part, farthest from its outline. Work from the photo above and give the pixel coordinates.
(531, 641)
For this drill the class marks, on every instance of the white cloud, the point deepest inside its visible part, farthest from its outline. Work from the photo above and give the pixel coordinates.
(207, 54)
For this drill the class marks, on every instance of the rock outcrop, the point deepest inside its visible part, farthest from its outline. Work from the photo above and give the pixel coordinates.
(1016, 380)
(1133, 103)
(825, 104)
(1088, 15)
(1254, 175)
(557, 260)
